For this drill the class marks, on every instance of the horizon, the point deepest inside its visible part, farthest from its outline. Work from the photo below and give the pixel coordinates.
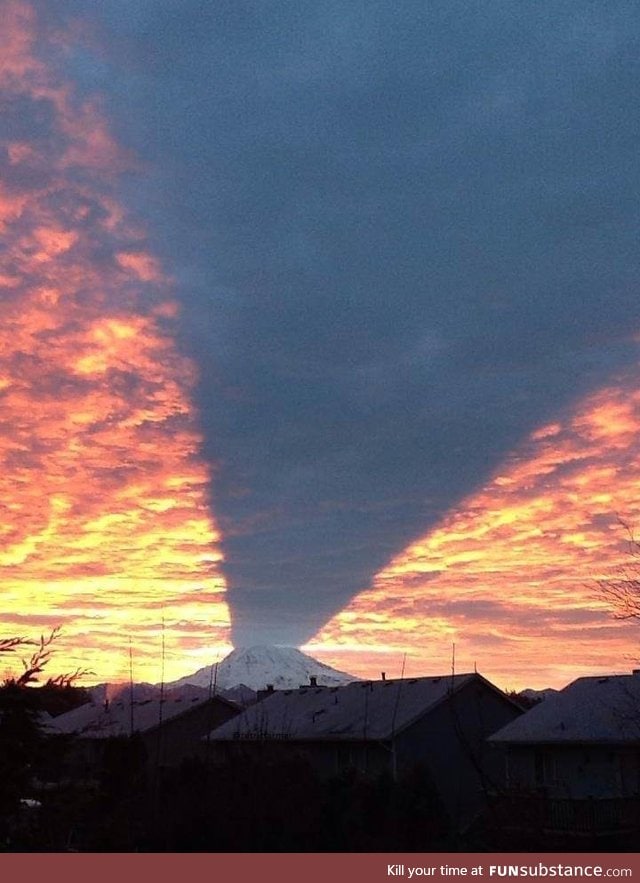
(365, 674)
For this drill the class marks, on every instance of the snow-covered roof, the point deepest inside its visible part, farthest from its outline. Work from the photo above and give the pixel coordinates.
(105, 719)
(362, 710)
(592, 710)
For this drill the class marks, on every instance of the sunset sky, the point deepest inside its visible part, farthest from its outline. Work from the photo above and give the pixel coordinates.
(320, 326)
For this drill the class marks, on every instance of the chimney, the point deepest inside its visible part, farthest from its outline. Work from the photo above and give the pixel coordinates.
(262, 694)
(313, 680)
(106, 705)
(383, 675)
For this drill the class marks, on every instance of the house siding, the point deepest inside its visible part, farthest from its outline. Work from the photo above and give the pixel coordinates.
(575, 771)
(180, 737)
(450, 742)
(447, 741)
(164, 745)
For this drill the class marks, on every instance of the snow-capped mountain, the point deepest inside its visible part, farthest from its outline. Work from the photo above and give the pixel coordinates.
(283, 667)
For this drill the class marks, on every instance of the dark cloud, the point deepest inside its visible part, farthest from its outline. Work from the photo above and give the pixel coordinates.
(403, 236)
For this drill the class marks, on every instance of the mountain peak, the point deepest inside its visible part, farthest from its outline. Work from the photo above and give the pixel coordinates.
(285, 668)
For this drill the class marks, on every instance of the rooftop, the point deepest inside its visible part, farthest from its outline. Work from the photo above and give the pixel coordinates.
(362, 710)
(594, 710)
(118, 718)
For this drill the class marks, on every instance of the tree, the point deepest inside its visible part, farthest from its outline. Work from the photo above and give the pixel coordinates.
(622, 590)
(35, 664)
(26, 749)
(7, 645)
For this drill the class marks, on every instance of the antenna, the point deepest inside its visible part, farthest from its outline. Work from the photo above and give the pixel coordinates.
(453, 663)
(366, 714)
(213, 680)
(213, 677)
(397, 702)
(162, 655)
(156, 784)
(130, 688)
(364, 729)
(394, 770)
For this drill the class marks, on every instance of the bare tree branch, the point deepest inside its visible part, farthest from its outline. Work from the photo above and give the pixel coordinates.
(70, 678)
(7, 645)
(622, 590)
(39, 658)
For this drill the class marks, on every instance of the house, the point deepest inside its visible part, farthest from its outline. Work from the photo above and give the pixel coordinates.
(168, 730)
(438, 724)
(572, 763)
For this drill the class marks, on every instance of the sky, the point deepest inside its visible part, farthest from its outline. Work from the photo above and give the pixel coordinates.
(320, 327)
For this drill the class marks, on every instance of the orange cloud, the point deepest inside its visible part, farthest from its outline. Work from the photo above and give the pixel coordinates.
(145, 266)
(106, 526)
(509, 576)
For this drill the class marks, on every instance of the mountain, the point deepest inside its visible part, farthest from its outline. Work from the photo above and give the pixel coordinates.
(535, 696)
(100, 692)
(255, 667)
(241, 695)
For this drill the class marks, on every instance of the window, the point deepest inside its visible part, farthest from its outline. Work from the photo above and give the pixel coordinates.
(544, 768)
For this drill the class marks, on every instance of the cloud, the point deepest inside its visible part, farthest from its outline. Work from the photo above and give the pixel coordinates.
(510, 574)
(105, 495)
(403, 239)
(403, 242)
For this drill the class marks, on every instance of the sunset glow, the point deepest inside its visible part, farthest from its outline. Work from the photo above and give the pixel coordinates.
(106, 527)
(509, 576)
(190, 212)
